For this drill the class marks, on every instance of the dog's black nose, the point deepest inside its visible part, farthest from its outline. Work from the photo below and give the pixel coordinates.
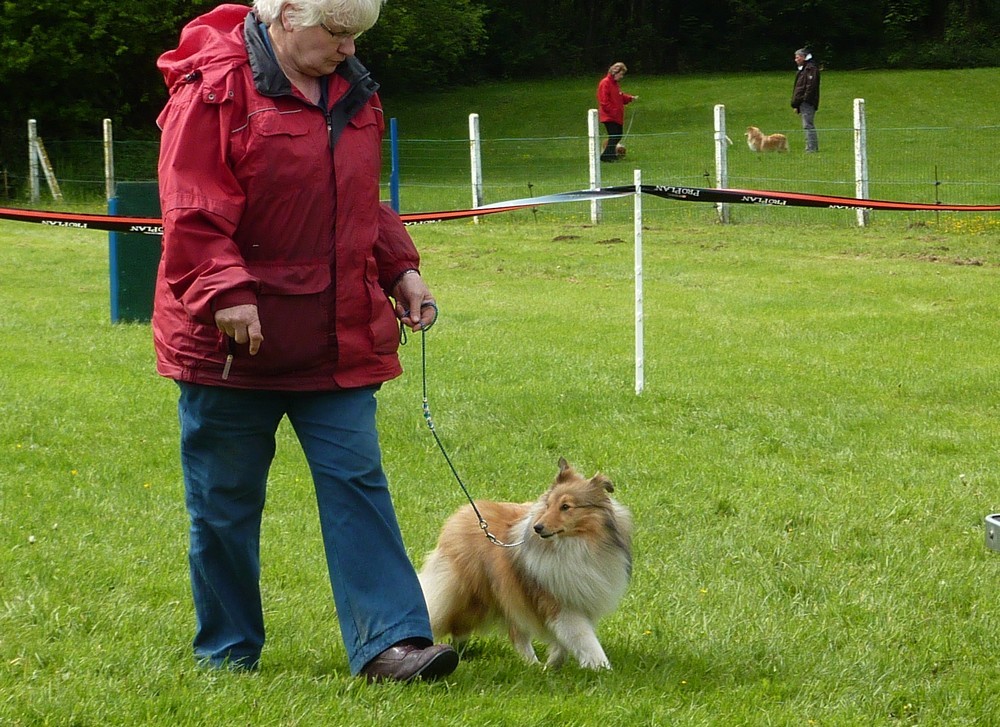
(539, 528)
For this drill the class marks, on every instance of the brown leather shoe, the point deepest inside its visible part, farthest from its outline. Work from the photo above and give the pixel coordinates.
(407, 662)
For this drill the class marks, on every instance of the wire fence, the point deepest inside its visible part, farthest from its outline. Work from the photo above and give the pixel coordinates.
(926, 165)
(944, 165)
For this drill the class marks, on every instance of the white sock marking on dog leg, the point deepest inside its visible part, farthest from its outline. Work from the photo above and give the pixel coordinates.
(522, 642)
(576, 634)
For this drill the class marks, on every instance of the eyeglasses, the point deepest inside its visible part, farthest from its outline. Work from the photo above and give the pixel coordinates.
(339, 37)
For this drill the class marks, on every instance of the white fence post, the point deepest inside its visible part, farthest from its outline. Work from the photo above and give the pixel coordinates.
(109, 162)
(594, 136)
(37, 157)
(476, 155)
(33, 161)
(640, 376)
(861, 159)
(721, 160)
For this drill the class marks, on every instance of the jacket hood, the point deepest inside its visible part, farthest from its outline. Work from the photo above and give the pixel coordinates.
(211, 42)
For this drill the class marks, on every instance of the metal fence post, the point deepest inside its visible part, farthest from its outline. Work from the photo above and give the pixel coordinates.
(721, 160)
(594, 136)
(394, 173)
(476, 154)
(640, 355)
(36, 191)
(109, 162)
(861, 159)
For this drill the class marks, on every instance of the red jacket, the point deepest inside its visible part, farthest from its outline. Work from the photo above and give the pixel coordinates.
(257, 209)
(611, 101)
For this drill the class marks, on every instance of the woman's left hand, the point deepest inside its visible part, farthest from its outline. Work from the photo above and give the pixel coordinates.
(414, 302)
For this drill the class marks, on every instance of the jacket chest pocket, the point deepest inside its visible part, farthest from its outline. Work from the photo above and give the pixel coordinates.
(277, 148)
(362, 141)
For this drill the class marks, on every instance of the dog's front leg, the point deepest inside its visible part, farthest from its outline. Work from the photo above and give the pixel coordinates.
(522, 642)
(557, 655)
(575, 633)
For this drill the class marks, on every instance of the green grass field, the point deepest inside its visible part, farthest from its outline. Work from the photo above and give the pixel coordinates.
(809, 467)
(930, 138)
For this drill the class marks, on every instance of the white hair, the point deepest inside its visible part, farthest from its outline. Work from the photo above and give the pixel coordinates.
(354, 16)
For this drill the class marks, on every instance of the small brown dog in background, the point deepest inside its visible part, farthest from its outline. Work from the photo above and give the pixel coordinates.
(759, 141)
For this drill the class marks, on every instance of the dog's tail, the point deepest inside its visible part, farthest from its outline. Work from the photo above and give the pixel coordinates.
(436, 581)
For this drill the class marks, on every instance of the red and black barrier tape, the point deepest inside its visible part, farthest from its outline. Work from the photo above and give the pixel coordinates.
(154, 226)
(797, 199)
(108, 223)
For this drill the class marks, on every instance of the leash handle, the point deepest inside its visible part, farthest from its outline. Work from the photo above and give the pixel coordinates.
(406, 312)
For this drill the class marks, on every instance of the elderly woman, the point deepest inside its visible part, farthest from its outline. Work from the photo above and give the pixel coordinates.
(272, 301)
(611, 101)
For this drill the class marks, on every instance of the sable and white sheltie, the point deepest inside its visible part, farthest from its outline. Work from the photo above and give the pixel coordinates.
(759, 141)
(571, 568)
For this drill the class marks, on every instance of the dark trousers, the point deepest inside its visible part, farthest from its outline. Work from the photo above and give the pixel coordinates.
(614, 138)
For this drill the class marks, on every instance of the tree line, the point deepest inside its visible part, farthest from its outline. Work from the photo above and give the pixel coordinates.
(71, 64)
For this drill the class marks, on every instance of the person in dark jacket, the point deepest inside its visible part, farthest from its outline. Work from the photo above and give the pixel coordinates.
(280, 292)
(805, 96)
(611, 101)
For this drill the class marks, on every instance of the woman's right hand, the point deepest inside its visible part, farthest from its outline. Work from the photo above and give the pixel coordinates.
(241, 324)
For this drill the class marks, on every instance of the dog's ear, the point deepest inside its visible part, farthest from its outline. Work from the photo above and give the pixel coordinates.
(599, 480)
(566, 471)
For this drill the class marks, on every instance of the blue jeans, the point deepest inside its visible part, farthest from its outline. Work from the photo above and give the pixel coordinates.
(227, 445)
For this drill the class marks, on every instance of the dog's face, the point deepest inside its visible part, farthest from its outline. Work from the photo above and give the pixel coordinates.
(573, 505)
(753, 132)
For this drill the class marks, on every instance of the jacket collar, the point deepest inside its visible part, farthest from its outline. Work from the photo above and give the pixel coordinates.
(269, 79)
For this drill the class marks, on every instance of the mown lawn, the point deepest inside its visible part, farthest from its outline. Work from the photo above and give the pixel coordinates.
(809, 467)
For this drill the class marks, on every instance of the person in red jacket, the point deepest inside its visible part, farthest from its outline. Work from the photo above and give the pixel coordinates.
(611, 103)
(274, 298)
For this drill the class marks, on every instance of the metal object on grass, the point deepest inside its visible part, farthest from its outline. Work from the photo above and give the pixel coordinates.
(993, 532)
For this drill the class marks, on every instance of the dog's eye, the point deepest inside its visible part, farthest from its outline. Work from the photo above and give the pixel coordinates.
(564, 507)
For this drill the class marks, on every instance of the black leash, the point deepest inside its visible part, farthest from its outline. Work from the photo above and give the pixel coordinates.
(430, 425)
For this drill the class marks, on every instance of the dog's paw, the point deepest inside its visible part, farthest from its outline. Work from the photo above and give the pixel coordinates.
(523, 646)
(557, 656)
(595, 662)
